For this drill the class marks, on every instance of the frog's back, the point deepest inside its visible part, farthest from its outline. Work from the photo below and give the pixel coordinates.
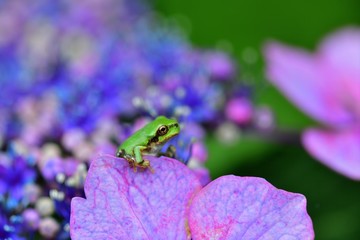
(137, 139)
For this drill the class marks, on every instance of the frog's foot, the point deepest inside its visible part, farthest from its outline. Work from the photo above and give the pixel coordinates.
(132, 163)
(170, 152)
(145, 165)
(149, 167)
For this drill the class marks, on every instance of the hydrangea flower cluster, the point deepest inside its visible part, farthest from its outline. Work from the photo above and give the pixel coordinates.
(103, 64)
(30, 200)
(326, 86)
(71, 71)
(78, 78)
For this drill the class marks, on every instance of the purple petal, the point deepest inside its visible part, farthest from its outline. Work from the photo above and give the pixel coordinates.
(122, 204)
(233, 207)
(202, 174)
(69, 166)
(298, 75)
(51, 168)
(220, 65)
(337, 150)
(3, 187)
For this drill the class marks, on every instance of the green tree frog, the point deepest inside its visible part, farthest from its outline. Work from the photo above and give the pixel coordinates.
(147, 140)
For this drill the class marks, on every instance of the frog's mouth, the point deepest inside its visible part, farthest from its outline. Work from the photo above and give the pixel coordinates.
(174, 130)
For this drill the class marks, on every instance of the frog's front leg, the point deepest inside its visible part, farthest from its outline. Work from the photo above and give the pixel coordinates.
(140, 162)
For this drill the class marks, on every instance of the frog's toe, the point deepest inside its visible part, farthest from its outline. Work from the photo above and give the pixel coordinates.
(145, 163)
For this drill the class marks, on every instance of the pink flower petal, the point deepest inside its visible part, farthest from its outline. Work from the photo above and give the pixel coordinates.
(298, 75)
(233, 207)
(122, 204)
(199, 152)
(340, 54)
(337, 150)
(341, 50)
(239, 110)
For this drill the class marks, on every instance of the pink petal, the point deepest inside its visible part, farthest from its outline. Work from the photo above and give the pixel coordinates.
(337, 150)
(199, 152)
(233, 207)
(298, 75)
(239, 110)
(340, 54)
(341, 50)
(122, 204)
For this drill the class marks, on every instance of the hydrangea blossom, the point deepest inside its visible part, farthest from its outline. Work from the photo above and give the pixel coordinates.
(171, 204)
(108, 61)
(325, 85)
(112, 62)
(16, 172)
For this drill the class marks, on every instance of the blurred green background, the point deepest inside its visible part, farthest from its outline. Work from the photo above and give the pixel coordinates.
(241, 28)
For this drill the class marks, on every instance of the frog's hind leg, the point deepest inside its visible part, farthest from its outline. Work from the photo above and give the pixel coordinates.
(130, 159)
(170, 152)
(133, 164)
(151, 169)
(120, 153)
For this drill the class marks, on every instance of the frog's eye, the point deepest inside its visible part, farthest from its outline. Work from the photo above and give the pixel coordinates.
(162, 130)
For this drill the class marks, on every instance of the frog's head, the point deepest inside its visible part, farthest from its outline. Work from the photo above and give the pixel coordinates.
(163, 129)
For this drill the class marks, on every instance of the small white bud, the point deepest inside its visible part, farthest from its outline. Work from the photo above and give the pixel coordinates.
(45, 206)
